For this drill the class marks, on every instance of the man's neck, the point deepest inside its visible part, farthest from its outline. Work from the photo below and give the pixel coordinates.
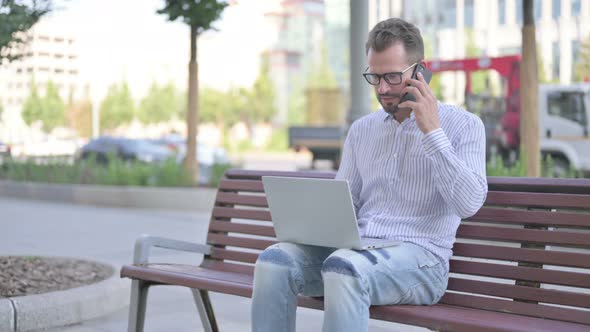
(402, 115)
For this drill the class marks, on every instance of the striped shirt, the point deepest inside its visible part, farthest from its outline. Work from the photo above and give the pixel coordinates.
(414, 187)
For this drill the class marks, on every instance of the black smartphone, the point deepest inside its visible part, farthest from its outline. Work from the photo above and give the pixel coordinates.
(427, 74)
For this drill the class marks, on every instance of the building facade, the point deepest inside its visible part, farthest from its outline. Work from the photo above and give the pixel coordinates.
(51, 54)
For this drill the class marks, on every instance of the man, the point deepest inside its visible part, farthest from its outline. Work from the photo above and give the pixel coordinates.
(415, 169)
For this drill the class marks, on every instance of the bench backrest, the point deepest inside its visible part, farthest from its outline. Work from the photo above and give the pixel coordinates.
(527, 251)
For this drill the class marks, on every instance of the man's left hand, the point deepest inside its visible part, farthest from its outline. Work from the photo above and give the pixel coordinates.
(425, 107)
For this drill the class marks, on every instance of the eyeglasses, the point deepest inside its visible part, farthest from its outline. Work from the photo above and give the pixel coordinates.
(392, 78)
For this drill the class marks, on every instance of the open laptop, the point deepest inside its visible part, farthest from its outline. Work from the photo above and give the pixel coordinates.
(317, 212)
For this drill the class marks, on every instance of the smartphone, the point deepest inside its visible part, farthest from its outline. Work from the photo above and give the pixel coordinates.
(427, 74)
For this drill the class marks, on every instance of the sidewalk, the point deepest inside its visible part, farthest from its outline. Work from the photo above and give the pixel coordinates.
(108, 234)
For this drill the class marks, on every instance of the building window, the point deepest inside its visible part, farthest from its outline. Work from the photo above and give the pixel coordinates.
(73, 72)
(469, 13)
(518, 11)
(58, 56)
(30, 70)
(72, 57)
(58, 39)
(501, 12)
(556, 60)
(538, 6)
(449, 14)
(58, 70)
(556, 9)
(576, 7)
(43, 69)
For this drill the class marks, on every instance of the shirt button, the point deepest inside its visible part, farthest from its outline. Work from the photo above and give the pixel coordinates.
(395, 155)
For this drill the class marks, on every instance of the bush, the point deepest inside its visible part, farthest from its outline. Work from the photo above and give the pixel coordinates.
(116, 172)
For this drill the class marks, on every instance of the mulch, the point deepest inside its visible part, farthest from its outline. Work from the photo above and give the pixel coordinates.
(27, 275)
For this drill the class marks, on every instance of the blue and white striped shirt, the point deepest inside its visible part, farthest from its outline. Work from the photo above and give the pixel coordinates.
(414, 187)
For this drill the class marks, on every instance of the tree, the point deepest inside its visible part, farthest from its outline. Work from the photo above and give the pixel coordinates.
(53, 111)
(17, 17)
(199, 16)
(262, 96)
(33, 106)
(160, 105)
(117, 107)
(479, 79)
(1, 109)
(435, 84)
(49, 111)
(582, 72)
(529, 114)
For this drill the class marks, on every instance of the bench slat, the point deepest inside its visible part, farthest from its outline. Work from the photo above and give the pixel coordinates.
(540, 200)
(221, 239)
(233, 255)
(240, 199)
(225, 266)
(225, 226)
(531, 217)
(521, 308)
(551, 257)
(241, 185)
(563, 278)
(229, 212)
(520, 292)
(257, 174)
(523, 235)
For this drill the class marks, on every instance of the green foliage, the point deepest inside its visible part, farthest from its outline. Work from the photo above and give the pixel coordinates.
(582, 67)
(199, 14)
(479, 79)
(117, 172)
(279, 140)
(261, 98)
(49, 110)
(33, 106)
(160, 105)
(497, 167)
(221, 107)
(542, 74)
(117, 108)
(53, 114)
(18, 17)
(435, 83)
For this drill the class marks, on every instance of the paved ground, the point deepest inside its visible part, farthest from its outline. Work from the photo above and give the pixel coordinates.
(41, 228)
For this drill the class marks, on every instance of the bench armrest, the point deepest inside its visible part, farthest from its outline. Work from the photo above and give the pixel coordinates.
(145, 242)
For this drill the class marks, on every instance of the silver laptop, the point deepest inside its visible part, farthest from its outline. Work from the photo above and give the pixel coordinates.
(317, 212)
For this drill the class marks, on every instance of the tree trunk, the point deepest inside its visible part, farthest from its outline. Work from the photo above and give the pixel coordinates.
(192, 115)
(529, 117)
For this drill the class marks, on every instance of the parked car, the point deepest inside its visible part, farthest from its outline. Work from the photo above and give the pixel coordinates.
(124, 148)
(207, 156)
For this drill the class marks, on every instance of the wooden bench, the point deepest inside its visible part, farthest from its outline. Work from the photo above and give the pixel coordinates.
(522, 263)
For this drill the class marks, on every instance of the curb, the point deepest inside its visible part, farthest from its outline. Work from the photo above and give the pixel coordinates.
(6, 315)
(191, 199)
(60, 308)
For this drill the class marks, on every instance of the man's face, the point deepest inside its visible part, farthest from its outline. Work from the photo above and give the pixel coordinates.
(393, 59)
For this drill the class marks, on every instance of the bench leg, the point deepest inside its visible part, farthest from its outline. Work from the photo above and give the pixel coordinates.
(205, 310)
(139, 292)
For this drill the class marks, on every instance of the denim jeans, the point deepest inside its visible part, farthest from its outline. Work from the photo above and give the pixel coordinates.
(350, 281)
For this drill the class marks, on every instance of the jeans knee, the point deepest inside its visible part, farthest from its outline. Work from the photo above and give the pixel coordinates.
(275, 255)
(340, 266)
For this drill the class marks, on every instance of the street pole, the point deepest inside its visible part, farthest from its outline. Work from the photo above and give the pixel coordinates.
(359, 91)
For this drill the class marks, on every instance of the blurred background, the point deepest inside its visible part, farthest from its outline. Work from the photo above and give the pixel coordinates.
(96, 91)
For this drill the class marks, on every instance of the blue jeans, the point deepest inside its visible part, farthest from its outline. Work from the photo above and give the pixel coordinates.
(350, 281)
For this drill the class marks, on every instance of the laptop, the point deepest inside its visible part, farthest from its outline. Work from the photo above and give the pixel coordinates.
(317, 212)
